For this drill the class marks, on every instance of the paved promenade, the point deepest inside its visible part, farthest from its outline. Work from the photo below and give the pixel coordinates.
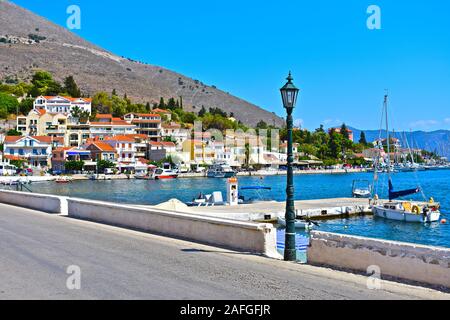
(37, 248)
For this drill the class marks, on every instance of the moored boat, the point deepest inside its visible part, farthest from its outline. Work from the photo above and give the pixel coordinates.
(63, 179)
(407, 211)
(220, 170)
(161, 174)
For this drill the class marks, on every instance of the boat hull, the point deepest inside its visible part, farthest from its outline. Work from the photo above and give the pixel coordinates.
(220, 175)
(166, 177)
(398, 215)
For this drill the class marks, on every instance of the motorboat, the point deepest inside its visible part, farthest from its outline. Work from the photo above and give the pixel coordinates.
(360, 191)
(257, 197)
(161, 174)
(143, 177)
(63, 179)
(220, 170)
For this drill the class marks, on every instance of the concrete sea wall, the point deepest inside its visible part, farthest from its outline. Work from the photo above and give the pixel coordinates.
(41, 202)
(237, 235)
(425, 264)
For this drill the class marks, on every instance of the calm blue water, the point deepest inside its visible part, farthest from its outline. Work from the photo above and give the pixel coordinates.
(434, 183)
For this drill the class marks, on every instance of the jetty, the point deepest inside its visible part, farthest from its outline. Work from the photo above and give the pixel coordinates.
(269, 211)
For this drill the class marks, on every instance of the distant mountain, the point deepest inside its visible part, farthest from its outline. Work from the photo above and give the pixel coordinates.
(29, 42)
(436, 141)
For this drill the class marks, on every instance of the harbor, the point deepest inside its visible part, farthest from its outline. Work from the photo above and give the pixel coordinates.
(314, 194)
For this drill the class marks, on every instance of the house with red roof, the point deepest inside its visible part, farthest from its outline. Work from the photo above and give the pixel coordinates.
(105, 125)
(101, 150)
(146, 123)
(61, 104)
(36, 150)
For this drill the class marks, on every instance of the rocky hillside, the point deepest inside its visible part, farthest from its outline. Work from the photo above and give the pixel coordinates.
(29, 42)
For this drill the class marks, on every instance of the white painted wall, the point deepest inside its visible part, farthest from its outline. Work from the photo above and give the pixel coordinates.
(425, 264)
(242, 236)
(41, 202)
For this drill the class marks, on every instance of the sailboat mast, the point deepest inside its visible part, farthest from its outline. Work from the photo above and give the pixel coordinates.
(387, 133)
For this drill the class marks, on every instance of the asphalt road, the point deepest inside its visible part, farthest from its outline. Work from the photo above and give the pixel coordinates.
(36, 249)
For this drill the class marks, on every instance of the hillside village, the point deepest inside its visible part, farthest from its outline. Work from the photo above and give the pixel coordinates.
(58, 129)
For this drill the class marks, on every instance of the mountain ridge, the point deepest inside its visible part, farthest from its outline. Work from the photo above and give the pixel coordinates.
(95, 69)
(434, 141)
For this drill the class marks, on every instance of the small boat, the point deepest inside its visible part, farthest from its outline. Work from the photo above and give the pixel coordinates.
(160, 174)
(63, 180)
(220, 170)
(259, 196)
(359, 191)
(143, 177)
(307, 225)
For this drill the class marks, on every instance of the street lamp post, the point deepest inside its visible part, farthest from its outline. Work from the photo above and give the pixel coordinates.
(289, 95)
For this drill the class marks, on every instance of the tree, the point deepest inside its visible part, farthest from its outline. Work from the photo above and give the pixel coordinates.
(362, 138)
(162, 104)
(171, 104)
(74, 165)
(13, 132)
(71, 87)
(202, 112)
(26, 105)
(104, 164)
(43, 83)
(344, 132)
(262, 125)
(335, 145)
(114, 92)
(8, 103)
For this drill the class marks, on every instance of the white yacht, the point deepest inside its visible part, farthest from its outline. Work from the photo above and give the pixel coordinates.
(220, 170)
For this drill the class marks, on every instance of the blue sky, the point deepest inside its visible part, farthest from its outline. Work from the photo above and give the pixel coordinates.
(247, 47)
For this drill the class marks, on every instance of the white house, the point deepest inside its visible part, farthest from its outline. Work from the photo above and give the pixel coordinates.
(60, 104)
(126, 151)
(37, 151)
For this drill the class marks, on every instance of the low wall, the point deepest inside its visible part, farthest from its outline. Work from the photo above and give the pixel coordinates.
(41, 202)
(242, 236)
(425, 264)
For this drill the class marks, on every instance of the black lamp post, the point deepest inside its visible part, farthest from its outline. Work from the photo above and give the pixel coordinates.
(289, 95)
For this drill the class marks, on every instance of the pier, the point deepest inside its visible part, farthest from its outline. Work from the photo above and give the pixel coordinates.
(269, 211)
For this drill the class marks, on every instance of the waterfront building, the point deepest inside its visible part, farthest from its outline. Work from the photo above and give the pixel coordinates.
(146, 123)
(126, 151)
(158, 151)
(61, 155)
(41, 123)
(105, 125)
(78, 132)
(101, 150)
(35, 150)
(175, 132)
(200, 151)
(60, 104)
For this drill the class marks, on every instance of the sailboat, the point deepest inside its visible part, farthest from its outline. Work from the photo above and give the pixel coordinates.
(408, 211)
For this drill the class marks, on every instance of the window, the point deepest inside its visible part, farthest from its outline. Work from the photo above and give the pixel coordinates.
(21, 152)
